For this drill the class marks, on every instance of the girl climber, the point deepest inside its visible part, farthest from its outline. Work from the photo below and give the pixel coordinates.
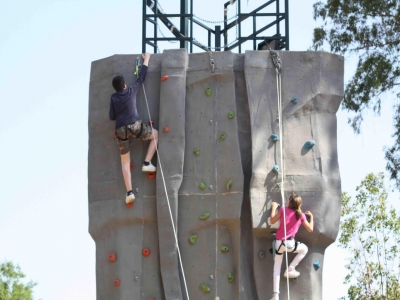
(294, 218)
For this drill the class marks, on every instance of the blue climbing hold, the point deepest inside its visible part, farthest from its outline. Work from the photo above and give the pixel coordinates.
(309, 144)
(276, 169)
(316, 265)
(274, 137)
(295, 100)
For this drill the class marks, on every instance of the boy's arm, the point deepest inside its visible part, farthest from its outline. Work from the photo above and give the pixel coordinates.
(111, 114)
(143, 71)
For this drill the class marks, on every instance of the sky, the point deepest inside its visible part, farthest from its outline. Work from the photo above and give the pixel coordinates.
(46, 50)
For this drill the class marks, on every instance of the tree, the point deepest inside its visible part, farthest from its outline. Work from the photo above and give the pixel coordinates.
(370, 29)
(371, 232)
(11, 288)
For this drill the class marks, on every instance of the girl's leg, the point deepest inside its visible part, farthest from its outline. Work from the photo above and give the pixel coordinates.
(301, 251)
(277, 267)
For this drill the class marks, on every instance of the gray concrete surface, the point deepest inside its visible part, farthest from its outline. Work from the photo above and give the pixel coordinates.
(246, 85)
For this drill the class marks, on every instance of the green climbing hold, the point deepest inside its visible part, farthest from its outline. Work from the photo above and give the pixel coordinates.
(208, 92)
(193, 239)
(228, 184)
(204, 216)
(224, 248)
(231, 114)
(230, 277)
(222, 136)
(196, 151)
(205, 288)
(202, 186)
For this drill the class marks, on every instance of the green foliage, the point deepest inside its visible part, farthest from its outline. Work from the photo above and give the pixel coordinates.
(11, 288)
(371, 30)
(371, 232)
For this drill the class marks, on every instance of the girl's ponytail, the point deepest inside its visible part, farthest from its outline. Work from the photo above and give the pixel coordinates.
(295, 204)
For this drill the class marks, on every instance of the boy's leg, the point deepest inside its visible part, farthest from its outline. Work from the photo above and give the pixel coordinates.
(126, 170)
(152, 146)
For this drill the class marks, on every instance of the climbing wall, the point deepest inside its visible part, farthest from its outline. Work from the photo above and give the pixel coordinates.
(217, 157)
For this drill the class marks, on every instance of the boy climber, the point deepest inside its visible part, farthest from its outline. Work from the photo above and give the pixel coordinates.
(128, 125)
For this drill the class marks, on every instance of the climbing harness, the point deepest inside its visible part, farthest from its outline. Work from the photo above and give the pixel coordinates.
(276, 252)
(169, 205)
(278, 67)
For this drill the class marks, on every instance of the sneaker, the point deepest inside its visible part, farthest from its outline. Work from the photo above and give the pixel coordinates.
(291, 273)
(149, 168)
(275, 296)
(130, 197)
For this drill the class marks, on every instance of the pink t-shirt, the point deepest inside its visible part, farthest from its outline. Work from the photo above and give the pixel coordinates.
(292, 224)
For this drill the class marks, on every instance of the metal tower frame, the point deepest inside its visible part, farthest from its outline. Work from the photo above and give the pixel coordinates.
(185, 32)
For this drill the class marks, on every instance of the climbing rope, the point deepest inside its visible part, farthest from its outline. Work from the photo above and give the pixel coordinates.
(166, 194)
(277, 63)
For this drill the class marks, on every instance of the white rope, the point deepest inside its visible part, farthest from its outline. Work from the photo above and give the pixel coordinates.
(166, 194)
(279, 92)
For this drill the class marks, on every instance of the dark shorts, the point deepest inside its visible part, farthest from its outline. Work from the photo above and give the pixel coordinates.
(126, 134)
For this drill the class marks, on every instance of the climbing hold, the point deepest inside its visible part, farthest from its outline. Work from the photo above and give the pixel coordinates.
(276, 169)
(309, 144)
(222, 136)
(228, 184)
(205, 216)
(205, 288)
(208, 92)
(117, 282)
(274, 137)
(131, 166)
(224, 248)
(211, 122)
(129, 205)
(231, 114)
(261, 254)
(210, 187)
(296, 279)
(295, 100)
(164, 78)
(316, 265)
(137, 190)
(112, 257)
(230, 277)
(166, 129)
(193, 239)
(146, 252)
(202, 186)
(151, 298)
(151, 175)
(150, 122)
(211, 277)
(196, 151)
(136, 278)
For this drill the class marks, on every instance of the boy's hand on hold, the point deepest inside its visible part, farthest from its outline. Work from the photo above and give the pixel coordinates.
(146, 56)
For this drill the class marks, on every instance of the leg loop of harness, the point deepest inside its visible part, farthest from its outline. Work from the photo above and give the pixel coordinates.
(140, 131)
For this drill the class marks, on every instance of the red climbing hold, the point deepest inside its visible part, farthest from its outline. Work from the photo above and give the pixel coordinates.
(117, 282)
(131, 166)
(151, 299)
(146, 252)
(166, 129)
(151, 175)
(150, 122)
(129, 205)
(164, 78)
(112, 257)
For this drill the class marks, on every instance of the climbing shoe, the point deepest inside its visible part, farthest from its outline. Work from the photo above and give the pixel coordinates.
(291, 273)
(275, 296)
(130, 197)
(149, 168)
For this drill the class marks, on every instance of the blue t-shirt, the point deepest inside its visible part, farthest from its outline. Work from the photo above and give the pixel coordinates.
(123, 104)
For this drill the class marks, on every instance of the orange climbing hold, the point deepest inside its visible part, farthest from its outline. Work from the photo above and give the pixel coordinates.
(151, 299)
(112, 257)
(166, 129)
(151, 175)
(146, 252)
(164, 78)
(117, 282)
(131, 166)
(129, 205)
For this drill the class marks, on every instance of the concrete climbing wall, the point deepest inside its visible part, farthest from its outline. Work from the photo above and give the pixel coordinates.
(217, 156)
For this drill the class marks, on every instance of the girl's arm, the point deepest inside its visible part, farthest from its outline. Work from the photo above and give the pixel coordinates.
(274, 216)
(309, 225)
